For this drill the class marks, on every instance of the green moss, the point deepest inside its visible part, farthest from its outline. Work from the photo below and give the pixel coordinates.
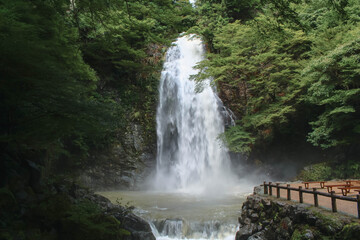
(296, 235)
(329, 220)
(261, 206)
(349, 232)
(301, 231)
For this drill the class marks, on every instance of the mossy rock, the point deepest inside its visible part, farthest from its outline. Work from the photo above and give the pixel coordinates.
(350, 232)
(85, 221)
(328, 224)
(305, 232)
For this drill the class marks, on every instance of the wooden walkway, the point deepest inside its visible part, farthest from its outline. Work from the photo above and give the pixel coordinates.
(343, 206)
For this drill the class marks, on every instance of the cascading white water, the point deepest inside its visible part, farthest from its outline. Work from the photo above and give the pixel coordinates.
(190, 156)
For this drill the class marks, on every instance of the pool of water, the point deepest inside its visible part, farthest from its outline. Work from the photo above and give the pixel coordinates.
(177, 215)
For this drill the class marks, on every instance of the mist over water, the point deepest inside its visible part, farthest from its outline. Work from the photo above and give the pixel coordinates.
(190, 156)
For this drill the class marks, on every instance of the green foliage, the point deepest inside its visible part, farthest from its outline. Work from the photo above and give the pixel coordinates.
(84, 220)
(237, 139)
(316, 172)
(212, 16)
(331, 170)
(289, 57)
(266, 69)
(72, 71)
(296, 235)
(333, 84)
(47, 93)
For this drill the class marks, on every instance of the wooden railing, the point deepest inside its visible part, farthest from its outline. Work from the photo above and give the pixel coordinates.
(268, 189)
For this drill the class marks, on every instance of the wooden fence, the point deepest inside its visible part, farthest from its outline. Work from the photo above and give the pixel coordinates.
(268, 187)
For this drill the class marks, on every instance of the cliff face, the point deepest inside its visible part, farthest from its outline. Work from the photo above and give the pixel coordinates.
(270, 219)
(125, 165)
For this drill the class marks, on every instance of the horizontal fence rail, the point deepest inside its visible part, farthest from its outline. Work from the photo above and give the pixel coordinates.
(268, 189)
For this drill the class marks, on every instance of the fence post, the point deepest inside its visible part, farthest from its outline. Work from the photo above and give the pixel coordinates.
(270, 189)
(300, 195)
(265, 188)
(333, 201)
(288, 192)
(358, 204)
(277, 190)
(316, 200)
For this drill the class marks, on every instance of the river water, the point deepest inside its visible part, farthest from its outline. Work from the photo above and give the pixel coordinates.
(176, 216)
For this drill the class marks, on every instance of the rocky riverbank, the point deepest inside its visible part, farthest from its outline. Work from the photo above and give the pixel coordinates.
(267, 218)
(64, 210)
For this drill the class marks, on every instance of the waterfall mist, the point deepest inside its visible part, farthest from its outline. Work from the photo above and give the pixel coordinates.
(190, 156)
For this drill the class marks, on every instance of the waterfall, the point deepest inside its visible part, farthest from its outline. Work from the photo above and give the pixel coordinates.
(190, 156)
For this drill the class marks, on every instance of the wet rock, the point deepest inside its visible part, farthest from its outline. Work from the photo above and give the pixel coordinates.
(139, 228)
(245, 231)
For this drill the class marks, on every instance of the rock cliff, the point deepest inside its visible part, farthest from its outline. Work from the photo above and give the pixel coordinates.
(125, 165)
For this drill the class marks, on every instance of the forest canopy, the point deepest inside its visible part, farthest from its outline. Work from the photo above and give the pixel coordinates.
(72, 71)
(288, 69)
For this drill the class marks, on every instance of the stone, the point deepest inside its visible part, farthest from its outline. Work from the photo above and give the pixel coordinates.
(254, 217)
(265, 223)
(311, 219)
(245, 232)
(139, 228)
(258, 190)
(266, 203)
(308, 234)
(258, 236)
(247, 221)
(286, 224)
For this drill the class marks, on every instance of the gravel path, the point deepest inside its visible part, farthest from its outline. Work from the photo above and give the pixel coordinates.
(343, 206)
